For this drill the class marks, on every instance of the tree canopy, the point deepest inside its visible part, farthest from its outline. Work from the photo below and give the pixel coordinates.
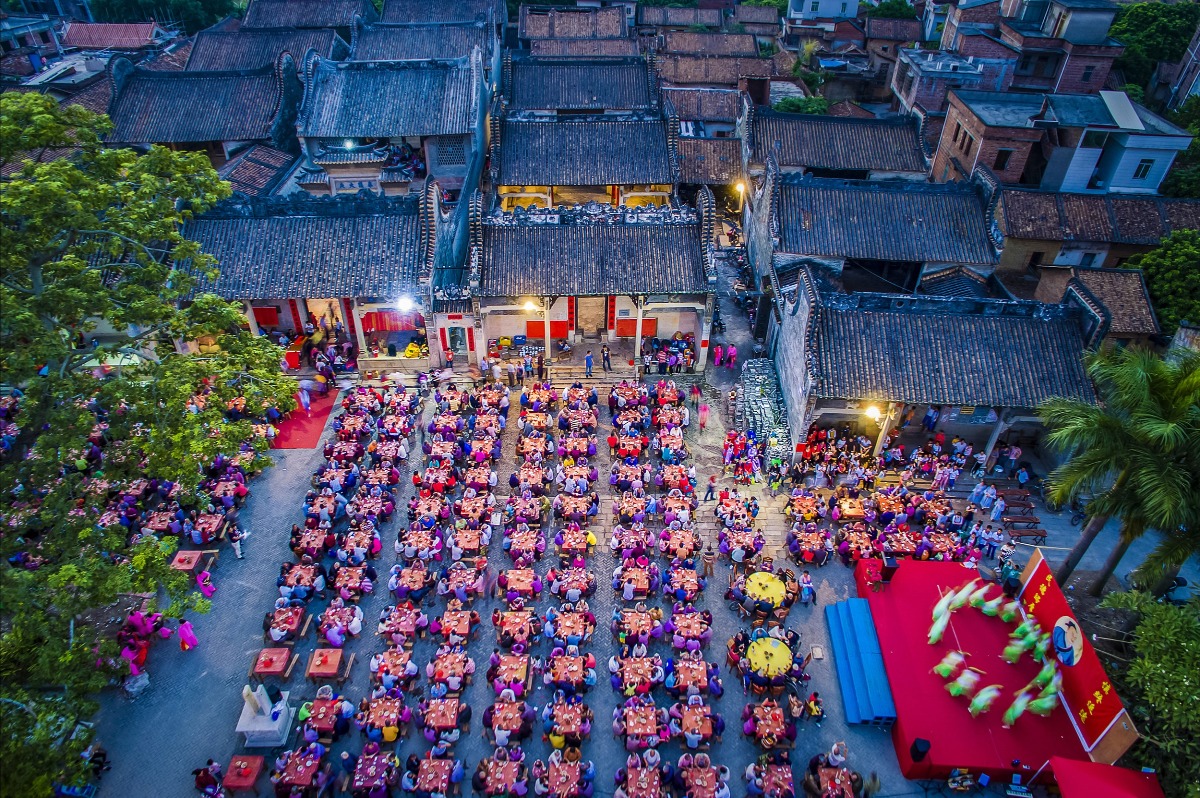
(1136, 452)
(1173, 278)
(1184, 178)
(1161, 689)
(93, 248)
(191, 15)
(802, 105)
(1152, 32)
(893, 9)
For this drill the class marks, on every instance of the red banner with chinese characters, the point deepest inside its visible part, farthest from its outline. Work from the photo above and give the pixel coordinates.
(1087, 694)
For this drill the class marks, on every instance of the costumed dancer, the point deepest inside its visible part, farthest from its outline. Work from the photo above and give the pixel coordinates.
(966, 682)
(950, 664)
(984, 699)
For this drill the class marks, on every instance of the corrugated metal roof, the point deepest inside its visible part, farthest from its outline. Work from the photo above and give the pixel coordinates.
(585, 152)
(190, 107)
(256, 48)
(314, 255)
(839, 143)
(368, 99)
(886, 221)
(420, 42)
(941, 355)
(572, 83)
(591, 259)
(307, 13)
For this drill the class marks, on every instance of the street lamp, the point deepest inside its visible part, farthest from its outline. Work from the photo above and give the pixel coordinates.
(530, 307)
(741, 190)
(544, 306)
(884, 420)
(873, 413)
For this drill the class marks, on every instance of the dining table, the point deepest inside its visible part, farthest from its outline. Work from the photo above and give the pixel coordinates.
(370, 772)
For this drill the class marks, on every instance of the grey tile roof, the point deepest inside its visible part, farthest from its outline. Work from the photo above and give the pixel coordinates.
(705, 104)
(603, 257)
(152, 107)
(947, 352)
(584, 152)
(712, 70)
(255, 48)
(424, 11)
(584, 47)
(363, 99)
(1123, 294)
(540, 22)
(575, 83)
(312, 248)
(890, 221)
(666, 15)
(1055, 216)
(710, 161)
(258, 171)
(954, 281)
(695, 43)
(839, 142)
(418, 42)
(307, 13)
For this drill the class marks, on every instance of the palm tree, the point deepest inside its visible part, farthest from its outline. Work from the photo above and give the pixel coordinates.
(1137, 452)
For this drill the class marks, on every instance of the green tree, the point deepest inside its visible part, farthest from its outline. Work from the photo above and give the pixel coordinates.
(893, 9)
(1161, 690)
(1153, 32)
(1184, 178)
(41, 739)
(191, 15)
(1137, 451)
(780, 5)
(1173, 278)
(802, 105)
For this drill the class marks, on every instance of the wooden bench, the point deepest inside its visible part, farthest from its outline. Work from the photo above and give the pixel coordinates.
(1019, 504)
(1029, 521)
(345, 674)
(1035, 536)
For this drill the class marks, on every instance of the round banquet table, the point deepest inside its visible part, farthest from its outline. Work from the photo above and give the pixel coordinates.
(765, 587)
(769, 656)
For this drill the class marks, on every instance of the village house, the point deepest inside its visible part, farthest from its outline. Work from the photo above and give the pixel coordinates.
(539, 87)
(593, 272)
(732, 45)
(540, 22)
(1119, 294)
(437, 41)
(363, 262)
(863, 358)
(254, 48)
(750, 75)
(352, 141)
(829, 146)
(339, 15)
(653, 20)
(584, 48)
(27, 43)
(1185, 76)
(884, 40)
(1064, 45)
(808, 19)
(762, 22)
(134, 39)
(423, 12)
(217, 113)
(1101, 143)
(709, 150)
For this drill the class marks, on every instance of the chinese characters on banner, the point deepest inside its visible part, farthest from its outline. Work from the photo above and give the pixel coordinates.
(1087, 694)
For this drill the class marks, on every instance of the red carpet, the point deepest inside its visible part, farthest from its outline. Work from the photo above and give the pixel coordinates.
(903, 613)
(301, 431)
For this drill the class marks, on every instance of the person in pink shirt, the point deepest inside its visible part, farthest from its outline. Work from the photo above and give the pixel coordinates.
(732, 355)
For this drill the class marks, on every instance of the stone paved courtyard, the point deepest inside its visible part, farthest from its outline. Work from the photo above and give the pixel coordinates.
(189, 712)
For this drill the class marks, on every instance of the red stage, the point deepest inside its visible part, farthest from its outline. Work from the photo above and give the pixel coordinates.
(903, 613)
(302, 431)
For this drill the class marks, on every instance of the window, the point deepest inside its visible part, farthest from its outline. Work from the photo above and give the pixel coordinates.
(968, 144)
(844, 9)
(958, 131)
(1035, 259)
(1143, 169)
(1088, 259)
(815, 7)
(451, 151)
(1002, 159)
(1088, 71)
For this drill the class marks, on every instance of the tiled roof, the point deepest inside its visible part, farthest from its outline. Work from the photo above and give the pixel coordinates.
(948, 352)
(710, 161)
(573, 83)
(258, 171)
(110, 35)
(173, 59)
(847, 108)
(307, 13)
(420, 42)
(705, 104)
(954, 281)
(358, 99)
(1123, 293)
(94, 98)
(425, 11)
(712, 70)
(185, 107)
(666, 15)
(539, 22)
(591, 259)
(888, 221)
(695, 43)
(755, 15)
(254, 48)
(584, 152)
(316, 249)
(1053, 216)
(894, 30)
(839, 143)
(583, 47)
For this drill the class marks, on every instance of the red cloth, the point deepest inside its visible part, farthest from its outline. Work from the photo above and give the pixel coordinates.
(299, 431)
(1088, 779)
(903, 613)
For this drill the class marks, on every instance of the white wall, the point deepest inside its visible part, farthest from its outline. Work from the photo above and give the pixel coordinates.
(826, 9)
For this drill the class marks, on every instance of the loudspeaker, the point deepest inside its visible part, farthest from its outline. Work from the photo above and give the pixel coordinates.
(919, 749)
(890, 566)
